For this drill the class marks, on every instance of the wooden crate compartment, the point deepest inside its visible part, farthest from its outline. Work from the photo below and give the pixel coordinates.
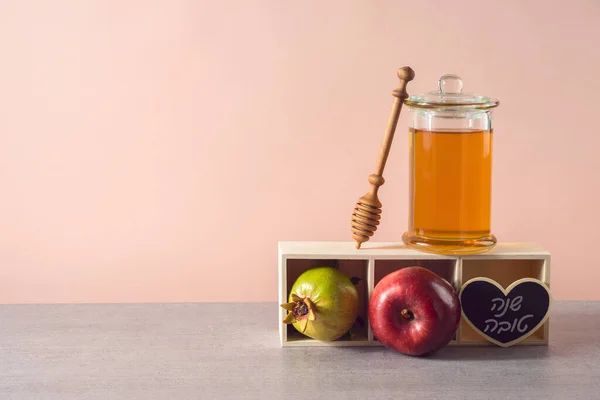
(505, 263)
(447, 268)
(505, 271)
(351, 268)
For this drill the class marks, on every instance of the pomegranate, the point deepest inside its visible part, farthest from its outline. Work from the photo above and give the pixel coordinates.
(323, 304)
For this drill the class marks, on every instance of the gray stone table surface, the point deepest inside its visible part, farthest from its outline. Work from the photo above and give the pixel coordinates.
(231, 351)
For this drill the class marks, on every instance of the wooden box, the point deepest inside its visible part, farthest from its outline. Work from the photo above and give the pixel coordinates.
(505, 263)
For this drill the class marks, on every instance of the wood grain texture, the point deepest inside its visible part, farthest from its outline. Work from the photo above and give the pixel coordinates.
(506, 263)
(232, 351)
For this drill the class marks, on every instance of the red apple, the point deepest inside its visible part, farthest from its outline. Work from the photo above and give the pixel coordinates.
(414, 311)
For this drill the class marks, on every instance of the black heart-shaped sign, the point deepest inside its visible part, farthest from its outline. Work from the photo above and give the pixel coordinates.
(505, 316)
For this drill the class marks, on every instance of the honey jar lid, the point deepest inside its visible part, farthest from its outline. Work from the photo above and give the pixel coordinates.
(450, 96)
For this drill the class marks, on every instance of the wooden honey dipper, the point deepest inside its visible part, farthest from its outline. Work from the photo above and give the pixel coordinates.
(367, 212)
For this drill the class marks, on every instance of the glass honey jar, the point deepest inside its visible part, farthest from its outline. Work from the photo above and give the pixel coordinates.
(450, 146)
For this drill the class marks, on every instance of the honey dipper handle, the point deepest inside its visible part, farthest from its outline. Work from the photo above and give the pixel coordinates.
(405, 74)
(367, 212)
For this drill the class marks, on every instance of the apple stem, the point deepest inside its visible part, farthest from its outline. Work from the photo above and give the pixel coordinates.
(407, 314)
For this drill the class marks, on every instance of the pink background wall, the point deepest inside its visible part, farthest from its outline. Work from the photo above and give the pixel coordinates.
(157, 150)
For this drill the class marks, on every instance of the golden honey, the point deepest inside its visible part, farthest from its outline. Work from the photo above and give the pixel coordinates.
(450, 190)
